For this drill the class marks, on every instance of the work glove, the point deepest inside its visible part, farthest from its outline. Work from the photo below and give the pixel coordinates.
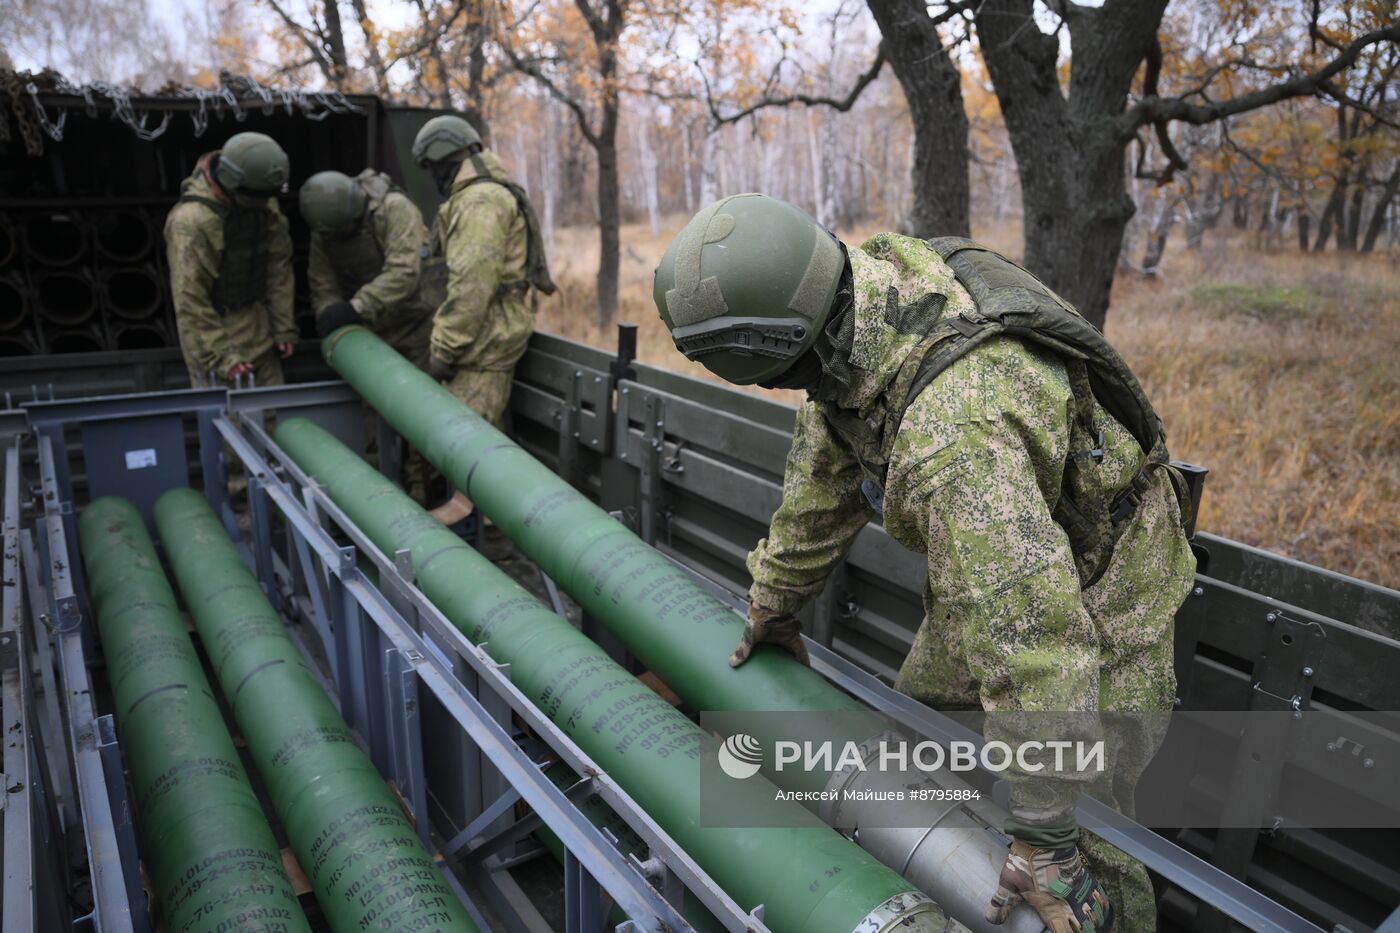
(335, 316)
(1057, 884)
(779, 628)
(440, 369)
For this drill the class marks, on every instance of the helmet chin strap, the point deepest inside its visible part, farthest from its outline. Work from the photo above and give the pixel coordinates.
(804, 373)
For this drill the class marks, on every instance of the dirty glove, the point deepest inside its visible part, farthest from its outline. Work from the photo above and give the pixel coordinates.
(779, 628)
(440, 369)
(1057, 884)
(335, 316)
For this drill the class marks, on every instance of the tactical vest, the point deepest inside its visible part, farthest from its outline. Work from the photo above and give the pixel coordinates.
(1010, 300)
(536, 263)
(242, 277)
(357, 257)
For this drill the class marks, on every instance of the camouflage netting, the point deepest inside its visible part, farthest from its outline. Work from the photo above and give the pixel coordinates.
(236, 96)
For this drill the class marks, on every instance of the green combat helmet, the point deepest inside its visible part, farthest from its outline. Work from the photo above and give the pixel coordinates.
(332, 202)
(747, 286)
(252, 164)
(443, 138)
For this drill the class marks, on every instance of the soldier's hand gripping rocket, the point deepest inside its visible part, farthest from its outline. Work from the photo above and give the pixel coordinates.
(1056, 882)
(765, 625)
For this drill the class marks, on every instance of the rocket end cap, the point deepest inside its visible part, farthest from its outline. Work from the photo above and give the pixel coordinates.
(909, 912)
(330, 340)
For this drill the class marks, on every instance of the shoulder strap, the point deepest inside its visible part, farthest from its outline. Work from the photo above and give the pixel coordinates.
(218, 207)
(536, 263)
(1011, 300)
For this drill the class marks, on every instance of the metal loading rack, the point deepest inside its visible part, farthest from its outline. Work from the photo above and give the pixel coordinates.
(696, 470)
(460, 745)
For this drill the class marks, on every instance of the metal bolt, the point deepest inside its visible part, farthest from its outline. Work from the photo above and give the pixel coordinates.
(1199, 591)
(1307, 672)
(1368, 763)
(1271, 618)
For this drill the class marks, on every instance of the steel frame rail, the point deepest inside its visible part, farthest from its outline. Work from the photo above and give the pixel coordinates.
(442, 660)
(1228, 894)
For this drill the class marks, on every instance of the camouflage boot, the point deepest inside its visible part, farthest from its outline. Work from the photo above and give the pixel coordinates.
(1126, 881)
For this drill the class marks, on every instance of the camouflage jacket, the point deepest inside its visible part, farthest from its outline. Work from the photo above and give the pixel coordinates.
(485, 321)
(975, 468)
(194, 241)
(378, 267)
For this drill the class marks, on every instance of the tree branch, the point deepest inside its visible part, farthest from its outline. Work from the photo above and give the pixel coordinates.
(1153, 108)
(528, 67)
(842, 105)
(1332, 90)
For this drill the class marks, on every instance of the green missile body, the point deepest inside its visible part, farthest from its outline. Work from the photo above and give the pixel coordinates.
(213, 859)
(809, 878)
(367, 866)
(673, 625)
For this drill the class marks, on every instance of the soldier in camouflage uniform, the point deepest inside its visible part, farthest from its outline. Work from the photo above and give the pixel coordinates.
(488, 239)
(1053, 531)
(230, 256)
(368, 247)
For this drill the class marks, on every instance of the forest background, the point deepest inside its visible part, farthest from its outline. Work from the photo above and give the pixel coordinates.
(1217, 182)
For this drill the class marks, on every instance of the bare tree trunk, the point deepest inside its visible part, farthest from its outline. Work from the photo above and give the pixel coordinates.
(550, 168)
(1070, 153)
(1132, 231)
(1157, 239)
(814, 163)
(475, 110)
(1304, 223)
(686, 169)
(933, 89)
(1239, 211)
(649, 168)
(372, 56)
(709, 169)
(828, 212)
(1373, 230)
(1204, 212)
(609, 207)
(335, 44)
(1331, 214)
(1348, 236)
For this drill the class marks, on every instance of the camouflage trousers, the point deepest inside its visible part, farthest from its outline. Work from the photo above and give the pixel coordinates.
(484, 391)
(267, 371)
(1132, 607)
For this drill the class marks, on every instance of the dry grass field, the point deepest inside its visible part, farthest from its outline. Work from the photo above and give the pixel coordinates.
(1279, 372)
